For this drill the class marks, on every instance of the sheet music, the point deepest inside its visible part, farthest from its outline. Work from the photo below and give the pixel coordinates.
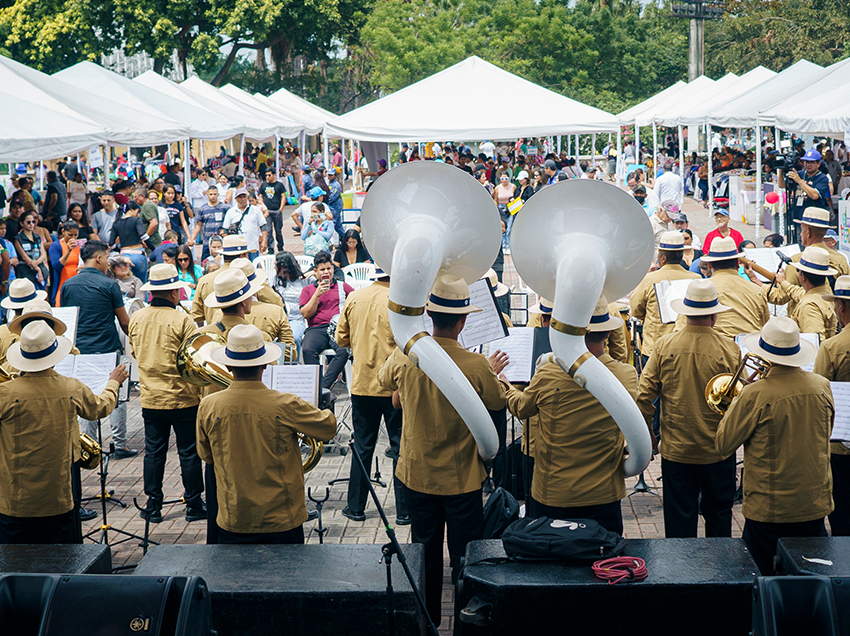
(668, 290)
(808, 337)
(768, 258)
(66, 367)
(841, 396)
(68, 315)
(482, 326)
(519, 345)
(299, 379)
(93, 370)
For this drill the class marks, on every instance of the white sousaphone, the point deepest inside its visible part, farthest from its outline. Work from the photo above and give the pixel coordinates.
(571, 242)
(418, 219)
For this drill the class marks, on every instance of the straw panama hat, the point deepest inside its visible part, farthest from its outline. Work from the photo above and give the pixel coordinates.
(701, 299)
(779, 342)
(234, 245)
(816, 217)
(21, 291)
(163, 277)
(247, 267)
(543, 306)
(38, 349)
(232, 287)
(38, 310)
(498, 288)
(601, 320)
(842, 290)
(672, 240)
(814, 260)
(246, 348)
(450, 295)
(722, 249)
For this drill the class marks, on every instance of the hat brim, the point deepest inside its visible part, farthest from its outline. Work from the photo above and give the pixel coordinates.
(469, 309)
(824, 224)
(57, 325)
(674, 249)
(241, 251)
(832, 297)
(261, 275)
(680, 307)
(501, 290)
(271, 355)
(712, 259)
(169, 287)
(803, 268)
(808, 352)
(254, 286)
(17, 360)
(8, 303)
(613, 322)
(535, 309)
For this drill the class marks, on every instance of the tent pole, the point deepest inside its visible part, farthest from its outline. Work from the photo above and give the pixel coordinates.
(777, 134)
(231, 146)
(710, 171)
(203, 155)
(569, 145)
(242, 155)
(41, 175)
(619, 168)
(559, 144)
(637, 143)
(277, 156)
(187, 167)
(758, 180)
(593, 150)
(654, 150)
(681, 153)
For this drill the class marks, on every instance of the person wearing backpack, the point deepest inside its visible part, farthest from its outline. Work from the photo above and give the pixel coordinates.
(578, 459)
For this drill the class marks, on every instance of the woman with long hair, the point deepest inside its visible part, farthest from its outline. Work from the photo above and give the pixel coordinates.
(351, 250)
(31, 251)
(289, 280)
(129, 233)
(187, 270)
(80, 216)
(176, 213)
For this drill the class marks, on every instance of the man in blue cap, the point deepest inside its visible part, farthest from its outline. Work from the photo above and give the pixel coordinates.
(314, 195)
(812, 185)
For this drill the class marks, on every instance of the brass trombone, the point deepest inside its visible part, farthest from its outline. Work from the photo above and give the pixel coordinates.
(724, 387)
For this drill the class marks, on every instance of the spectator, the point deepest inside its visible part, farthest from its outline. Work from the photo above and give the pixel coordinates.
(774, 240)
(335, 202)
(102, 221)
(14, 220)
(504, 193)
(13, 254)
(681, 224)
(670, 186)
(121, 269)
(304, 211)
(67, 263)
(248, 221)
(163, 223)
(56, 203)
(128, 234)
(273, 193)
(721, 219)
(209, 220)
(210, 266)
(169, 255)
(317, 233)
(289, 282)
(225, 190)
(78, 214)
(169, 241)
(32, 254)
(187, 271)
(150, 216)
(214, 246)
(177, 213)
(351, 250)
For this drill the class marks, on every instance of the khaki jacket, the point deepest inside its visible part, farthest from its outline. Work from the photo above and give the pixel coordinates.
(271, 320)
(618, 342)
(813, 314)
(644, 304)
(784, 422)
(206, 286)
(228, 322)
(833, 363)
(749, 310)
(790, 291)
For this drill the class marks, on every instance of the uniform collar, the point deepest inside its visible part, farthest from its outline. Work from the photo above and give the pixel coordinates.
(250, 385)
(724, 272)
(447, 342)
(670, 267)
(41, 374)
(232, 321)
(819, 291)
(605, 359)
(697, 329)
(779, 369)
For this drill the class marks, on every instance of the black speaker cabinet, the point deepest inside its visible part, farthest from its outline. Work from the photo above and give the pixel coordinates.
(82, 605)
(790, 605)
(56, 559)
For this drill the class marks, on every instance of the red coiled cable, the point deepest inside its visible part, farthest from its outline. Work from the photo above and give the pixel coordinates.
(620, 568)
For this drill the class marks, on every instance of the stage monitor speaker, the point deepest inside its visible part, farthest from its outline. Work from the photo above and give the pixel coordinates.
(790, 605)
(78, 605)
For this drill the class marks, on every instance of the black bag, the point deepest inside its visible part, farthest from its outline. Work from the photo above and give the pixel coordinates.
(236, 228)
(578, 540)
(500, 511)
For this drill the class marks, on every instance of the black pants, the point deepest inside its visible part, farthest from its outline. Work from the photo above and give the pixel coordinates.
(609, 516)
(463, 515)
(158, 425)
(839, 520)
(761, 538)
(212, 505)
(77, 495)
(294, 536)
(366, 413)
(683, 484)
(316, 340)
(276, 232)
(42, 530)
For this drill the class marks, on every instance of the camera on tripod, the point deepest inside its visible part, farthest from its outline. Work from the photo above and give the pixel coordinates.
(786, 159)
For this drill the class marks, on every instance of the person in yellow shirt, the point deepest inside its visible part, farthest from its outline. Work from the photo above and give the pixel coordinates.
(676, 375)
(168, 401)
(784, 422)
(540, 314)
(247, 432)
(812, 313)
(21, 291)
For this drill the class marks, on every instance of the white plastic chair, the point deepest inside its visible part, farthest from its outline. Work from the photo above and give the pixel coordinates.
(266, 263)
(359, 275)
(304, 262)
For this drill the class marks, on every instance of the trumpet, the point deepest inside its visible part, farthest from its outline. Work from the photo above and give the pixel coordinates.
(724, 387)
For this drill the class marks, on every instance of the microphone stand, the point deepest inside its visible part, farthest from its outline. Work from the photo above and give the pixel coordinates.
(387, 551)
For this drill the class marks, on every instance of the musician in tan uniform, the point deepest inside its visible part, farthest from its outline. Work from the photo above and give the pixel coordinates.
(540, 314)
(748, 311)
(168, 401)
(784, 422)
(500, 290)
(678, 371)
(40, 438)
(247, 432)
(21, 291)
(644, 303)
(578, 466)
(833, 363)
(32, 311)
(439, 463)
(811, 312)
(617, 345)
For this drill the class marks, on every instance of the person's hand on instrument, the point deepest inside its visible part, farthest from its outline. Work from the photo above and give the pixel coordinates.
(780, 277)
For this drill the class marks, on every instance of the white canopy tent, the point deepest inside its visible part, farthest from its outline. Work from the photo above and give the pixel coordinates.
(668, 113)
(629, 115)
(825, 115)
(420, 112)
(271, 110)
(699, 85)
(313, 117)
(696, 111)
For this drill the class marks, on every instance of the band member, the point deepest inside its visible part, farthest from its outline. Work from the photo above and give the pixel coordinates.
(578, 469)
(617, 345)
(747, 305)
(833, 363)
(168, 401)
(680, 367)
(247, 432)
(500, 290)
(644, 303)
(21, 291)
(32, 311)
(439, 464)
(40, 438)
(268, 318)
(540, 314)
(811, 312)
(784, 422)
(364, 327)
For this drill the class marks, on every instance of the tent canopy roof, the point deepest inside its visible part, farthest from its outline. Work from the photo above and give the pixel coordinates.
(312, 116)
(628, 116)
(645, 117)
(697, 111)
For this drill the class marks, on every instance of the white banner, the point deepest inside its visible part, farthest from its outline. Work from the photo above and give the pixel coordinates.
(95, 158)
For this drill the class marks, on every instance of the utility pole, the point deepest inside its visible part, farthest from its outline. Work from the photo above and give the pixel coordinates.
(697, 11)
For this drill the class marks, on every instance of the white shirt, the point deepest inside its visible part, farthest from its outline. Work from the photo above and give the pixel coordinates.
(487, 148)
(670, 186)
(198, 193)
(163, 220)
(251, 224)
(304, 210)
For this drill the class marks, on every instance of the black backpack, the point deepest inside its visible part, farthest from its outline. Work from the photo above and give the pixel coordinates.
(578, 540)
(500, 511)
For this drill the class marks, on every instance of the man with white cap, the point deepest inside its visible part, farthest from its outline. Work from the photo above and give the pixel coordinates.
(680, 367)
(833, 363)
(748, 311)
(247, 433)
(439, 463)
(578, 469)
(40, 438)
(21, 291)
(811, 312)
(784, 422)
(248, 221)
(644, 302)
(168, 401)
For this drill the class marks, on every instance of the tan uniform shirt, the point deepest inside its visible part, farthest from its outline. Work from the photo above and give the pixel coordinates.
(534, 320)
(678, 370)
(40, 439)
(364, 327)
(813, 314)
(228, 322)
(155, 335)
(790, 291)
(749, 310)
(833, 363)
(784, 422)
(618, 342)
(271, 320)
(247, 432)
(578, 459)
(438, 453)
(206, 286)
(644, 304)
(7, 339)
